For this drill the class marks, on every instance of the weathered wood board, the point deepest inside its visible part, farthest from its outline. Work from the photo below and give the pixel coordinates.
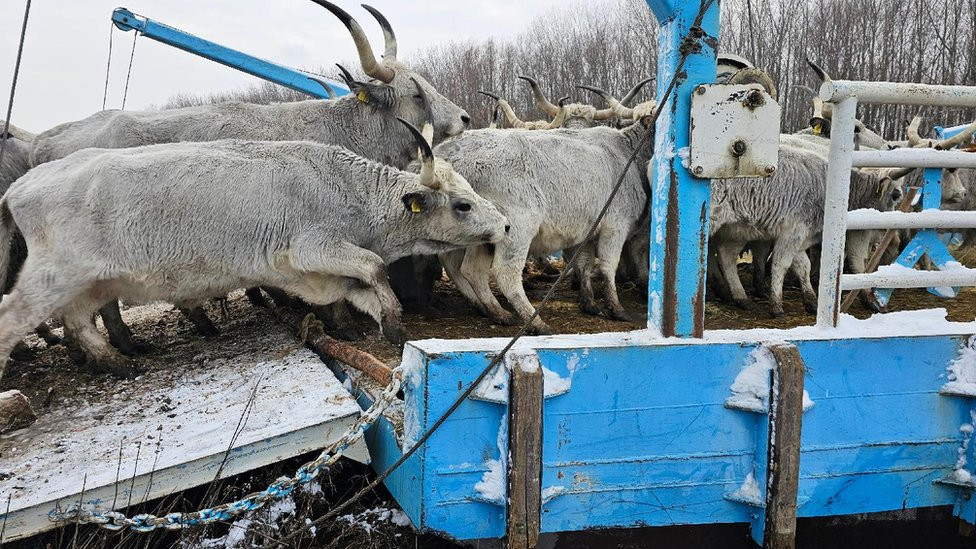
(169, 431)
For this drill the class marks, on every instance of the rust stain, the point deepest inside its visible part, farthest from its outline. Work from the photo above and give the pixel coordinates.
(698, 301)
(669, 301)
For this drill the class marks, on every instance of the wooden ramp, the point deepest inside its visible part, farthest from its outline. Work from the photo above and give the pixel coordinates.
(171, 430)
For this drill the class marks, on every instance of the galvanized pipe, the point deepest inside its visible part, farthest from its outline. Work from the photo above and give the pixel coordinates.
(926, 219)
(899, 93)
(913, 158)
(835, 211)
(914, 279)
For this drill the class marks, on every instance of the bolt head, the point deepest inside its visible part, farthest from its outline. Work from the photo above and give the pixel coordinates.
(698, 170)
(700, 90)
(770, 169)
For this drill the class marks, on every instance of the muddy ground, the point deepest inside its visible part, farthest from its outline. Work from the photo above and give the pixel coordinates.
(51, 377)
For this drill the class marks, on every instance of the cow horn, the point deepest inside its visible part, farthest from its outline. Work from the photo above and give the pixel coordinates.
(615, 106)
(494, 118)
(914, 139)
(560, 118)
(898, 173)
(960, 138)
(626, 101)
(389, 38)
(821, 74)
(428, 128)
(540, 98)
(753, 75)
(426, 155)
(510, 116)
(324, 83)
(366, 58)
(808, 90)
(346, 75)
(489, 94)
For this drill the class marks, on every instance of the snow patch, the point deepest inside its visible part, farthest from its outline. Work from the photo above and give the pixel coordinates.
(370, 519)
(959, 471)
(962, 371)
(491, 487)
(412, 364)
(750, 389)
(551, 492)
(684, 153)
(749, 491)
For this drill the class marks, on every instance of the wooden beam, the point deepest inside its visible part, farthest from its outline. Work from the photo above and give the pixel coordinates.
(786, 417)
(525, 451)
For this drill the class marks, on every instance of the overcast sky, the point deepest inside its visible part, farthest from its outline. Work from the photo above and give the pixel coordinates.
(62, 74)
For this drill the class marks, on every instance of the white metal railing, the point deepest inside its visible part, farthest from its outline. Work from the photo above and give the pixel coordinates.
(845, 95)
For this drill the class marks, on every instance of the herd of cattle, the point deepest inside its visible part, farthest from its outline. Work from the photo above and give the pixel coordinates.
(330, 200)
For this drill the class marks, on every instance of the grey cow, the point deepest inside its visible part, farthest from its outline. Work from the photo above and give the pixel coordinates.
(189, 221)
(363, 122)
(787, 210)
(551, 186)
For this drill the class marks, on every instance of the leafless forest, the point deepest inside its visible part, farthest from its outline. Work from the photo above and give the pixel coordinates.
(613, 44)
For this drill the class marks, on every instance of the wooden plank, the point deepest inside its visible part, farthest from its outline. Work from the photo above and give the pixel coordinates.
(784, 456)
(172, 430)
(525, 449)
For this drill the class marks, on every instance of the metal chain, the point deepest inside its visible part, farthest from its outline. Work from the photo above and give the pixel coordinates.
(114, 520)
(13, 84)
(108, 65)
(128, 74)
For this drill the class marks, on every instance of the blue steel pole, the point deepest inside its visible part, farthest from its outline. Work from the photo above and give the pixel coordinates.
(279, 74)
(680, 202)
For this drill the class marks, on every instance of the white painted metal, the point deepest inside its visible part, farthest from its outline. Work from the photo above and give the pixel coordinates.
(913, 158)
(835, 211)
(927, 219)
(899, 93)
(175, 430)
(913, 279)
(734, 131)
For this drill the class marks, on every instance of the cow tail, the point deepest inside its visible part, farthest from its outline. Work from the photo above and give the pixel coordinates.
(7, 229)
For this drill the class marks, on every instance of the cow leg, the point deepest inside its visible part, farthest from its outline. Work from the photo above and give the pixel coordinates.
(760, 254)
(801, 268)
(609, 247)
(713, 275)
(452, 264)
(119, 335)
(312, 255)
(728, 259)
(255, 297)
(71, 346)
(583, 271)
(102, 357)
(44, 332)
(201, 322)
(784, 251)
(510, 255)
(338, 319)
(37, 295)
(476, 269)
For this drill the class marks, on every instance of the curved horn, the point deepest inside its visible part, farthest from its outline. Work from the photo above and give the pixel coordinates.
(346, 75)
(808, 90)
(753, 75)
(634, 91)
(914, 139)
(960, 138)
(560, 118)
(366, 57)
(389, 38)
(513, 120)
(898, 173)
(540, 98)
(489, 94)
(821, 74)
(604, 114)
(616, 107)
(494, 118)
(324, 83)
(428, 129)
(426, 155)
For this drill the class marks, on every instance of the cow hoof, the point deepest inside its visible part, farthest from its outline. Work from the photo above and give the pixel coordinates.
(395, 333)
(135, 347)
(116, 366)
(777, 313)
(543, 330)
(75, 353)
(746, 304)
(590, 309)
(347, 334)
(22, 353)
(621, 315)
(507, 319)
(810, 308)
(255, 296)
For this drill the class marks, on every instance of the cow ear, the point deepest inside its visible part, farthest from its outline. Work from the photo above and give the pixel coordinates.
(377, 95)
(418, 202)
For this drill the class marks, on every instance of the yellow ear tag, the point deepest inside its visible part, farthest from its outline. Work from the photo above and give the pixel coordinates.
(361, 96)
(415, 207)
(816, 129)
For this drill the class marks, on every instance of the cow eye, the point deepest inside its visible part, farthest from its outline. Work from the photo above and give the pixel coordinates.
(462, 207)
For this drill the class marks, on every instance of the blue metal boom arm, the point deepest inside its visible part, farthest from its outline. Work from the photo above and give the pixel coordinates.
(273, 72)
